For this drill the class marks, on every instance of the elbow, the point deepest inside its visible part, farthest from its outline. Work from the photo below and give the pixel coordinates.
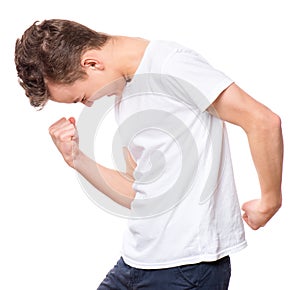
(275, 122)
(267, 122)
(274, 128)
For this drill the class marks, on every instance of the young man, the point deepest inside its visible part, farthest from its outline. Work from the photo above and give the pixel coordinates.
(186, 217)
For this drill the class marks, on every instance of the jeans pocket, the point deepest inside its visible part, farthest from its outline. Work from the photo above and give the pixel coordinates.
(188, 276)
(206, 275)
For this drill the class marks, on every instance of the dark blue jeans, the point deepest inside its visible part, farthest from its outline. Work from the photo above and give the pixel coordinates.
(204, 276)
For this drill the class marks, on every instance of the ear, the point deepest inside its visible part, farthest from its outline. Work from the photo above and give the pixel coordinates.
(91, 60)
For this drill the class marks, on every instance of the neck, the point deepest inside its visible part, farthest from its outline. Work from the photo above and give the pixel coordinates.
(125, 54)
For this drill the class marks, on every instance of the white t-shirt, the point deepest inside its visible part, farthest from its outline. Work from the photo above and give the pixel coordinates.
(186, 208)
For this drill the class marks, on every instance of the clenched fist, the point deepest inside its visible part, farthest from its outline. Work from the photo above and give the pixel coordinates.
(256, 214)
(65, 137)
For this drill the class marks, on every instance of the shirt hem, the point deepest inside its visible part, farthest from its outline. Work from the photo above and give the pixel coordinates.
(186, 261)
(217, 90)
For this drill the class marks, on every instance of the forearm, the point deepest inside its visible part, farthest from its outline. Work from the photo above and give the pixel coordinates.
(263, 129)
(266, 145)
(115, 185)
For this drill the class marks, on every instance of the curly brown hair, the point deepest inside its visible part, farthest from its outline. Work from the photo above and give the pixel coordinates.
(52, 50)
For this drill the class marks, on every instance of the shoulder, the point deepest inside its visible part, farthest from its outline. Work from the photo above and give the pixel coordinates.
(158, 54)
(181, 57)
(170, 48)
(171, 56)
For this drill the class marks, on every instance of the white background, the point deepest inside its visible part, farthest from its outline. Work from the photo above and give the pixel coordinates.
(52, 235)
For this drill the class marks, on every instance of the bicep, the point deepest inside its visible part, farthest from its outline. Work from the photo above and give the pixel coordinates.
(237, 107)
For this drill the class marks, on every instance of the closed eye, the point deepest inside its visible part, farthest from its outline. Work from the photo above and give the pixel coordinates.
(81, 100)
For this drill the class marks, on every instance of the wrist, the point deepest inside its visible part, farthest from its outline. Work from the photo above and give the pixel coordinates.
(77, 160)
(271, 203)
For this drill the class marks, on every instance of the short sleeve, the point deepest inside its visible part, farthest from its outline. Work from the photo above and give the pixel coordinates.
(187, 73)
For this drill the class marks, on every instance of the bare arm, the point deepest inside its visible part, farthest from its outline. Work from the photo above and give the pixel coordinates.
(263, 129)
(116, 185)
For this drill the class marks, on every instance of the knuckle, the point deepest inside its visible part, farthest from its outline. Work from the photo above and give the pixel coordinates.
(56, 135)
(51, 129)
